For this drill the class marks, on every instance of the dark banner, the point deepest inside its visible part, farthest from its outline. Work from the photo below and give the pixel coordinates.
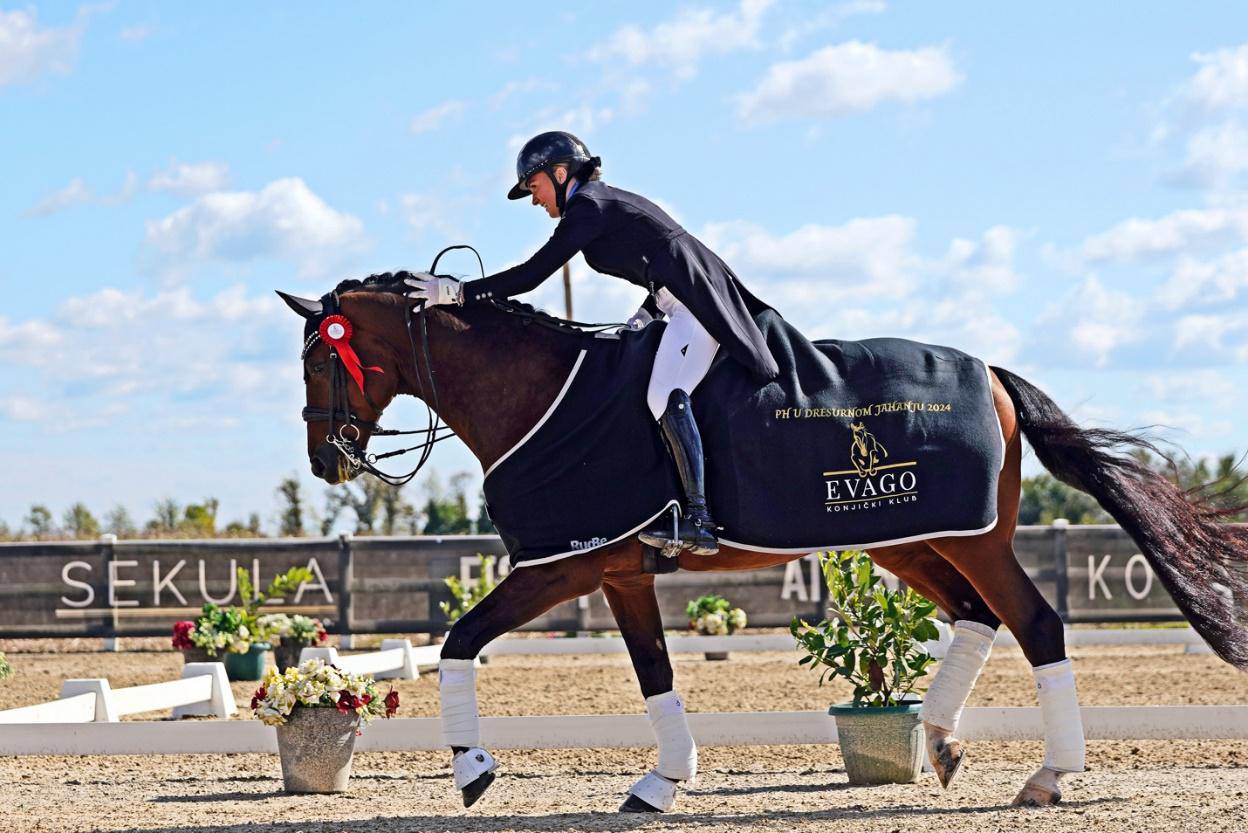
(390, 585)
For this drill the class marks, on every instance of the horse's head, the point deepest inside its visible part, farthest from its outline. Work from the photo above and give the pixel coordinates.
(351, 372)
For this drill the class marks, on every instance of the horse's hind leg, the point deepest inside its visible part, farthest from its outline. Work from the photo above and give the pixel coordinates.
(632, 600)
(988, 562)
(974, 628)
(525, 594)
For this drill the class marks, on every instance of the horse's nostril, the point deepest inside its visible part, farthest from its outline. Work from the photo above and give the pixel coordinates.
(318, 467)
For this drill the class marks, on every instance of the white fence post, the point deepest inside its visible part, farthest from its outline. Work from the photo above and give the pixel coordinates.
(105, 709)
(221, 703)
(327, 655)
(408, 671)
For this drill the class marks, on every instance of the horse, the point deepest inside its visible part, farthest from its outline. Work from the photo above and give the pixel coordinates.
(491, 371)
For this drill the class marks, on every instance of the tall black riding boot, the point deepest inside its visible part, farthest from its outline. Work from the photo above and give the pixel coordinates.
(696, 530)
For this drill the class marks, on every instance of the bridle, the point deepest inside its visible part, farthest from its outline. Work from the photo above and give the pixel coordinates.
(345, 427)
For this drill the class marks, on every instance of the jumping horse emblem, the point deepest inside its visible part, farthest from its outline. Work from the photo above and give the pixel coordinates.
(865, 451)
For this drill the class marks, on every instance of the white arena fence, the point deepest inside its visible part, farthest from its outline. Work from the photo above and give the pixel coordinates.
(202, 690)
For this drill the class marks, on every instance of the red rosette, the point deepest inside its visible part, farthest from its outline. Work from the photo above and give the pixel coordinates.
(336, 331)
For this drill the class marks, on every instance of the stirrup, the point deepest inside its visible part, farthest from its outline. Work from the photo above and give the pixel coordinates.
(682, 534)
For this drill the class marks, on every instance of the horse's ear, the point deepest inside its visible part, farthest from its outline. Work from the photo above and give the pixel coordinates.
(303, 306)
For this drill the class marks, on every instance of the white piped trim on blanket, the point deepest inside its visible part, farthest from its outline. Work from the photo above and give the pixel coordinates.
(956, 533)
(992, 404)
(549, 411)
(616, 539)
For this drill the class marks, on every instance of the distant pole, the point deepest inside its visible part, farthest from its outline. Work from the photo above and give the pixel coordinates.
(567, 290)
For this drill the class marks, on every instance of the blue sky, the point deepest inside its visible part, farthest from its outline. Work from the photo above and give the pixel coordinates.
(1057, 188)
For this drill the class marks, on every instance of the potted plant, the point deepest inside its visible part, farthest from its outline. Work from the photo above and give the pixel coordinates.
(183, 642)
(289, 635)
(235, 631)
(874, 639)
(468, 593)
(713, 615)
(317, 709)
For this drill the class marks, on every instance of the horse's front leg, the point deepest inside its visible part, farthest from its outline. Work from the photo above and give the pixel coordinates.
(632, 600)
(525, 594)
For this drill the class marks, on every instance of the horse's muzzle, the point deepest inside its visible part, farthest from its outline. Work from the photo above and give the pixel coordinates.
(326, 463)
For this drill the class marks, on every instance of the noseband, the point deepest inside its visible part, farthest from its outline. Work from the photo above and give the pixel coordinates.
(345, 427)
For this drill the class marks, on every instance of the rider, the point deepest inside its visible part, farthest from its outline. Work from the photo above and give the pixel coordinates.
(627, 236)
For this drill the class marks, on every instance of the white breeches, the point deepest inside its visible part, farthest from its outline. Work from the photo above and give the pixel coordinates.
(684, 355)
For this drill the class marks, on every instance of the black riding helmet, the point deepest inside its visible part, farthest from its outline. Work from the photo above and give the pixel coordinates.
(542, 153)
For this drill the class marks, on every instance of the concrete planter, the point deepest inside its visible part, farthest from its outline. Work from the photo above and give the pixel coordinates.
(248, 666)
(880, 745)
(190, 655)
(715, 656)
(286, 654)
(316, 745)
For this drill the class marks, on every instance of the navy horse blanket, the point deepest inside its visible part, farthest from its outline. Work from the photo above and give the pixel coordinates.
(855, 444)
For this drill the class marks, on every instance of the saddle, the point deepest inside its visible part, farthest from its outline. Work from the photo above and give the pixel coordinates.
(855, 444)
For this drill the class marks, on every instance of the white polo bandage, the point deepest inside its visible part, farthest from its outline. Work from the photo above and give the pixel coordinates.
(1063, 723)
(457, 688)
(964, 659)
(678, 754)
(656, 791)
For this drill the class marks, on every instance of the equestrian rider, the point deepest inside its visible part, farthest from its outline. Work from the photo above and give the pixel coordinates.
(627, 236)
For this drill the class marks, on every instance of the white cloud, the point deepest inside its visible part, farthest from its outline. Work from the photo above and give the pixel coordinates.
(75, 193)
(987, 265)
(437, 116)
(171, 355)
(1188, 230)
(847, 78)
(1214, 336)
(425, 213)
(26, 51)
(1204, 387)
(1092, 321)
(190, 180)
(681, 43)
(285, 219)
(865, 256)
(1194, 281)
(1215, 156)
(1221, 83)
(830, 17)
(514, 88)
(137, 33)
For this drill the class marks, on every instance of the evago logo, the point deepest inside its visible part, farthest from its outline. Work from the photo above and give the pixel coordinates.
(871, 483)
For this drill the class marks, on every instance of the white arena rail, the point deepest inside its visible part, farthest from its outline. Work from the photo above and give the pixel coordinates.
(606, 730)
(203, 689)
(397, 659)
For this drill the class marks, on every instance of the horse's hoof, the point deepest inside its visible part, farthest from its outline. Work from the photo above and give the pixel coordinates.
(477, 788)
(947, 761)
(1037, 795)
(633, 804)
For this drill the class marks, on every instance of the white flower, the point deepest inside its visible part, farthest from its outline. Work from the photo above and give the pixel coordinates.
(270, 716)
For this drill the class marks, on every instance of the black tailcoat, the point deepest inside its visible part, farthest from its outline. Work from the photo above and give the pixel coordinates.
(626, 235)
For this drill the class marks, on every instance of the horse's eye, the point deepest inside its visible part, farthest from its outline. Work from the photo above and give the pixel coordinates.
(318, 367)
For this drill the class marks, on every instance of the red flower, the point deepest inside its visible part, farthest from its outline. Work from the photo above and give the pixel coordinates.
(347, 702)
(321, 635)
(260, 694)
(366, 698)
(392, 703)
(182, 634)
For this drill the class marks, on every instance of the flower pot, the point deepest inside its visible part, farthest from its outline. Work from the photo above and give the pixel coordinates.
(880, 745)
(315, 745)
(286, 654)
(197, 655)
(248, 666)
(715, 656)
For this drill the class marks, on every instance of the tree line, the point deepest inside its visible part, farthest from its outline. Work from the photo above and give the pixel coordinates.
(376, 508)
(366, 505)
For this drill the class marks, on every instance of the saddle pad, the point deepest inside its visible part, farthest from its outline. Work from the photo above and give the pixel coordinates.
(855, 444)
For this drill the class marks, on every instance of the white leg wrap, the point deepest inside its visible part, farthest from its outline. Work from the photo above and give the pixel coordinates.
(457, 686)
(964, 659)
(678, 755)
(1063, 724)
(656, 791)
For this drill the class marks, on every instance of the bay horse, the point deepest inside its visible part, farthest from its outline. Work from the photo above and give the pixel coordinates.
(492, 371)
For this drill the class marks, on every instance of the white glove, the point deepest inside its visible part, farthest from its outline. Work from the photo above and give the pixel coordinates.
(434, 290)
(639, 319)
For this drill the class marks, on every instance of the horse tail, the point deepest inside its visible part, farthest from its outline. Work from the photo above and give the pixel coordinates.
(1184, 537)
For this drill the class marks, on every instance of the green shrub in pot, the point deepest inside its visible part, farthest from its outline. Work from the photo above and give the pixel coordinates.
(873, 638)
